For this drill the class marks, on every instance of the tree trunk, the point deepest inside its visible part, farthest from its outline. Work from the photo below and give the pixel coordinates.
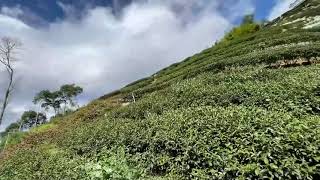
(7, 48)
(20, 127)
(7, 94)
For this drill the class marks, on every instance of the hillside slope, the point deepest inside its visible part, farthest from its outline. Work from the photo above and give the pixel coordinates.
(246, 108)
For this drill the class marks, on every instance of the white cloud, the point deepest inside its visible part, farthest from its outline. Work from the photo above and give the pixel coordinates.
(103, 52)
(10, 24)
(281, 7)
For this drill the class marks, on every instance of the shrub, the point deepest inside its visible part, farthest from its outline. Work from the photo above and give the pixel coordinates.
(35, 164)
(11, 139)
(241, 31)
(111, 165)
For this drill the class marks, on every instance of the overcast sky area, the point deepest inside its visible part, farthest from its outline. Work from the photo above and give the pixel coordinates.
(103, 45)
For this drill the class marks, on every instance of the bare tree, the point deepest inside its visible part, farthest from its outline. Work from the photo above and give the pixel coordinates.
(8, 47)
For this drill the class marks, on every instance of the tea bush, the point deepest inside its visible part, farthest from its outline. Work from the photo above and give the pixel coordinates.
(220, 114)
(29, 164)
(211, 142)
(111, 165)
(249, 122)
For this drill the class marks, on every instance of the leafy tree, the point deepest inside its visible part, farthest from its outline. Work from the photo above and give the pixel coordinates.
(69, 92)
(56, 99)
(31, 118)
(13, 126)
(49, 99)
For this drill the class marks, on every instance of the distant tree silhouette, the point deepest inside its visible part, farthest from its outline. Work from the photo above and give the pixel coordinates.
(56, 99)
(31, 118)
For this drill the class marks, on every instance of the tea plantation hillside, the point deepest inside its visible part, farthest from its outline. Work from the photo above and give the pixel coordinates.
(246, 108)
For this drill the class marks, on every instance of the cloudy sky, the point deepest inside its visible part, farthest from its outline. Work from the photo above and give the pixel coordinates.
(102, 45)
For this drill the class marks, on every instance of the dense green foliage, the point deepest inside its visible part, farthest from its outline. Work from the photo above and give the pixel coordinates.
(11, 127)
(221, 114)
(242, 31)
(10, 138)
(6, 137)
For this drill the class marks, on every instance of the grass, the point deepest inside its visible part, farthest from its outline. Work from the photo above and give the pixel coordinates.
(42, 128)
(11, 139)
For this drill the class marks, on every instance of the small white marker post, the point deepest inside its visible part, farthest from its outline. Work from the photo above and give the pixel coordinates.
(134, 99)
